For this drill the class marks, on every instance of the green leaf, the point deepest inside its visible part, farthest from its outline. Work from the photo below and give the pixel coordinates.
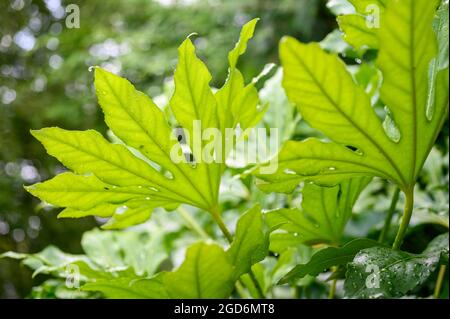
(330, 101)
(250, 243)
(148, 167)
(383, 272)
(328, 257)
(52, 261)
(288, 259)
(241, 46)
(108, 254)
(141, 250)
(237, 102)
(323, 215)
(360, 27)
(84, 192)
(205, 273)
(130, 288)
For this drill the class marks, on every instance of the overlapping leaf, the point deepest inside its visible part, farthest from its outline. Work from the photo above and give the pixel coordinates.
(331, 102)
(328, 257)
(205, 273)
(322, 217)
(110, 257)
(251, 241)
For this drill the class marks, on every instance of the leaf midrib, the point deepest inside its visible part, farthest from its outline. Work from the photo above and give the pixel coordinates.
(413, 89)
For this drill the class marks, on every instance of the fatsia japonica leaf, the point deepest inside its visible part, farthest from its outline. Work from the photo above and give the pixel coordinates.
(251, 242)
(329, 257)
(360, 27)
(330, 101)
(383, 272)
(205, 273)
(323, 214)
(143, 251)
(149, 168)
(124, 255)
(53, 261)
(130, 288)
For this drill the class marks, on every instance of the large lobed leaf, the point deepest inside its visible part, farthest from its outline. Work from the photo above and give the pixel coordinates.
(330, 101)
(127, 181)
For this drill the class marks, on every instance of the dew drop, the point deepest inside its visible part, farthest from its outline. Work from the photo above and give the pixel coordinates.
(121, 209)
(139, 186)
(153, 189)
(290, 172)
(147, 198)
(91, 68)
(168, 175)
(295, 234)
(331, 168)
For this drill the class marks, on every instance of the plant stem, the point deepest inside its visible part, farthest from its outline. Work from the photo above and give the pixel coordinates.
(407, 213)
(256, 284)
(439, 281)
(216, 215)
(192, 223)
(390, 214)
(332, 289)
(241, 290)
(218, 219)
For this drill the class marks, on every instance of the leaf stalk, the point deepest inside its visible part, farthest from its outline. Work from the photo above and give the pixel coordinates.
(406, 218)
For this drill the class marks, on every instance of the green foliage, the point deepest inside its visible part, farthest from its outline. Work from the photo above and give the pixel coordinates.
(323, 216)
(108, 255)
(394, 273)
(373, 100)
(328, 257)
(206, 273)
(251, 241)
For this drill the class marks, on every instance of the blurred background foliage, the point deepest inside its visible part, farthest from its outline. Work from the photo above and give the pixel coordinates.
(45, 81)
